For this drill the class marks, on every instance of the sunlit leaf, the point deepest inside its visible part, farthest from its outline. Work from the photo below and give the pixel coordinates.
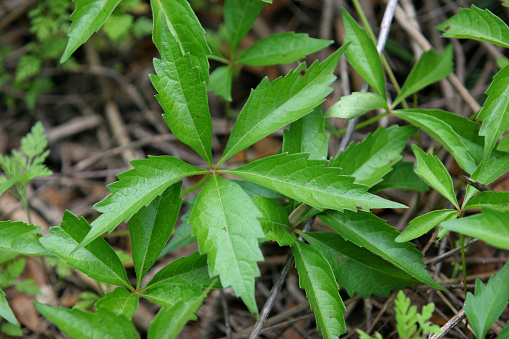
(422, 224)
(18, 237)
(239, 16)
(119, 301)
(356, 104)
(275, 222)
(5, 310)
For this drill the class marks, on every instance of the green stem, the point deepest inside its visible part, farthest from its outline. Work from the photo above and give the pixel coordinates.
(363, 124)
(199, 184)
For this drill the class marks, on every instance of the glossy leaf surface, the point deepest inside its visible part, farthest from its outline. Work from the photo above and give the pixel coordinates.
(369, 160)
(307, 135)
(281, 48)
(356, 268)
(225, 222)
(363, 55)
(433, 172)
(488, 302)
(317, 279)
(310, 181)
(81, 324)
(491, 226)
(356, 104)
(137, 188)
(151, 227)
(367, 230)
(275, 104)
(119, 301)
(430, 68)
(274, 221)
(182, 91)
(422, 224)
(86, 19)
(478, 24)
(96, 259)
(18, 237)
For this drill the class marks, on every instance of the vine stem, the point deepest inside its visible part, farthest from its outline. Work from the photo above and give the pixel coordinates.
(382, 39)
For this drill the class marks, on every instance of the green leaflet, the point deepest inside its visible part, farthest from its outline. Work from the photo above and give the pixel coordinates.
(495, 111)
(401, 177)
(478, 24)
(310, 181)
(430, 68)
(5, 183)
(239, 16)
(491, 226)
(182, 92)
(275, 104)
(435, 124)
(422, 224)
(371, 159)
(275, 222)
(363, 55)
(487, 172)
(367, 230)
(137, 188)
(170, 321)
(356, 104)
(433, 172)
(221, 82)
(190, 270)
(151, 227)
(322, 290)
(307, 135)
(488, 198)
(356, 268)
(186, 29)
(120, 302)
(5, 310)
(281, 48)
(87, 18)
(18, 237)
(168, 294)
(183, 237)
(225, 222)
(96, 259)
(489, 301)
(81, 324)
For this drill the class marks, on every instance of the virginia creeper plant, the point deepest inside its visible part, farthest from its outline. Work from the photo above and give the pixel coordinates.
(231, 218)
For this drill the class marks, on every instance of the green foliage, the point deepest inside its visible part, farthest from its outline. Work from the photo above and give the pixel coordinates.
(229, 219)
(488, 302)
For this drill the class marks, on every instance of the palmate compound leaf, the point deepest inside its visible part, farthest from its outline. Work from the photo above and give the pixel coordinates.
(317, 279)
(311, 182)
(225, 222)
(371, 159)
(444, 128)
(119, 301)
(491, 226)
(137, 188)
(356, 268)
(151, 227)
(18, 237)
(433, 172)
(307, 135)
(430, 68)
(495, 111)
(488, 301)
(186, 30)
(363, 55)
(281, 48)
(239, 16)
(87, 18)
(182, 93)
(81, 324)
(96, 259)
(478, 24)
(367, 230)
(273, 105)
